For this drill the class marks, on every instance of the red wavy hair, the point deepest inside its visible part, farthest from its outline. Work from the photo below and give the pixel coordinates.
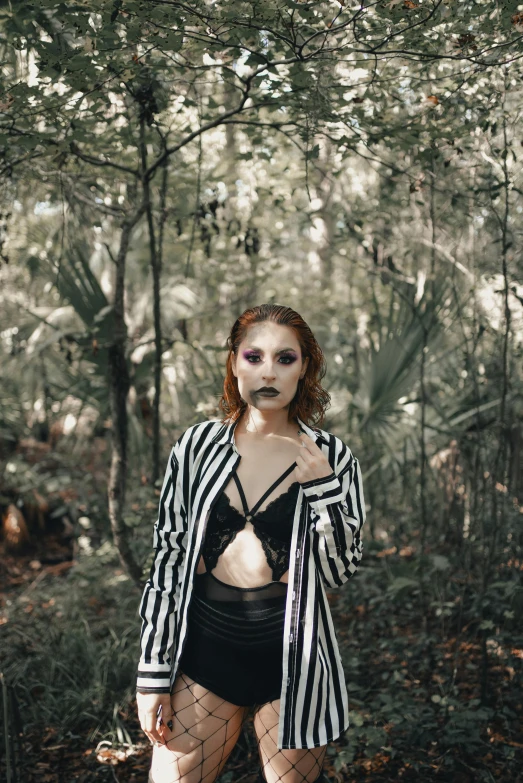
(311, 399)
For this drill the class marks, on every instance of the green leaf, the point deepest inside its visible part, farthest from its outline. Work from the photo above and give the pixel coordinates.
(314, 152)
(173, 41)
(440, 562)
(400, 583)
(486, 625)
(300, 79)
(256, 59)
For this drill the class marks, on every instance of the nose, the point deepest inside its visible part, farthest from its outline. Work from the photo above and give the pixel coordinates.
(268, 369)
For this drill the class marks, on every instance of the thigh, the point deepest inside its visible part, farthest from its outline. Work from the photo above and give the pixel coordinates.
(205, 730)
(300, 765)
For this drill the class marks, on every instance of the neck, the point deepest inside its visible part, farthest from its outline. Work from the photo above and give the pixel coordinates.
(266, 424)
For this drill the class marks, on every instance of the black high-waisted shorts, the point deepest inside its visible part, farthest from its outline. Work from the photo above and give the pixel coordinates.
(234, 642)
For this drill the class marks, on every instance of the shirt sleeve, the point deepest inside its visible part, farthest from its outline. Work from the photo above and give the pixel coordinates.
(338, 510)
(161, 595)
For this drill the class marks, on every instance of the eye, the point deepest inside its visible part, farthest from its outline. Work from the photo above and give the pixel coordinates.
(286, 359)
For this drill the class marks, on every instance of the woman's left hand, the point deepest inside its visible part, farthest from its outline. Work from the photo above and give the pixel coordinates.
(311, 462)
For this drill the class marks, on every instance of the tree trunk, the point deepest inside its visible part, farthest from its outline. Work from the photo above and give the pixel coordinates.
(119, 383)
(155, 261)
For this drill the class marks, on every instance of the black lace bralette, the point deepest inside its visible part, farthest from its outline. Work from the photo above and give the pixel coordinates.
(273, 525)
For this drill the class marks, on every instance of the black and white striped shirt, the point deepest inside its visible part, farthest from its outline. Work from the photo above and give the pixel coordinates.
(326, 549)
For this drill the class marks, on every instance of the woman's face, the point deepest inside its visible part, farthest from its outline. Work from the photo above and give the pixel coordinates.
(269, 357)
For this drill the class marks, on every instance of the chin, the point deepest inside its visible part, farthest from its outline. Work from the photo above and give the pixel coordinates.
(268, 402)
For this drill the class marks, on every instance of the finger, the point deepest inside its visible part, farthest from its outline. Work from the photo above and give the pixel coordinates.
(167, 709)
(157, 737)
(301, 472)
(309, 443)
(167, 715)
(154, 740)
(301, 464)
(149, 725)
(305, 455)
(151, 732)
(165, 729)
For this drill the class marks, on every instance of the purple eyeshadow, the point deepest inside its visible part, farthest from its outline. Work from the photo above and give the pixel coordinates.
(290, 355)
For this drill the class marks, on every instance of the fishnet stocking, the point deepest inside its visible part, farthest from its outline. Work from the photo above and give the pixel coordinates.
(300, 765)
(205, 731)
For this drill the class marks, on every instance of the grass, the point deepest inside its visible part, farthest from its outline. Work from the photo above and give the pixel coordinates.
(73, 649)
(72, 645)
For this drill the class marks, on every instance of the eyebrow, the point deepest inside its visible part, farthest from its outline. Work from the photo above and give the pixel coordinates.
(277, 353)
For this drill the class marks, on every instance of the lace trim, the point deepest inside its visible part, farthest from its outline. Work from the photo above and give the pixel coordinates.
(258, 514)
(216, 542)
(222, 533)
(277, 556)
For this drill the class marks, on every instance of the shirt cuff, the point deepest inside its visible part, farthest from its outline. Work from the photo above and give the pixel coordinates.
(315, 482)
(326, 488)
(150, 680)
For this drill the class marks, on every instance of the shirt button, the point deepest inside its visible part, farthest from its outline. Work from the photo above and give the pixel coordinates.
(319, 492)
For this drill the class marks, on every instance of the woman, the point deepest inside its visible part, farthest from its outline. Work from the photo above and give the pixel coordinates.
(258, 514)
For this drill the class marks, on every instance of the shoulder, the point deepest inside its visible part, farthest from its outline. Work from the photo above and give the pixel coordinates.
(197, 434)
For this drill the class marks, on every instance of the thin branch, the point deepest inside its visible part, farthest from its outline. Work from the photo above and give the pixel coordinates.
(100, 161)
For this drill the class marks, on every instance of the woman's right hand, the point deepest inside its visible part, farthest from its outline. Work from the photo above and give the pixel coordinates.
(148, 704)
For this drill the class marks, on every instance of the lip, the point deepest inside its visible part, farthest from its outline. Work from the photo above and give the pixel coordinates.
(268, 394)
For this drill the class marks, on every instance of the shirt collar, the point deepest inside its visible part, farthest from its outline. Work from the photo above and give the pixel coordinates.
(225, 434)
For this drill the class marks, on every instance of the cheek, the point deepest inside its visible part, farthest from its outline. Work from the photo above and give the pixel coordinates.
(244, 369)
(245, 375)
(290, 382)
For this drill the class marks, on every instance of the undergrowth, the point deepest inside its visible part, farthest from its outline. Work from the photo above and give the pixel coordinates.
(418, 698)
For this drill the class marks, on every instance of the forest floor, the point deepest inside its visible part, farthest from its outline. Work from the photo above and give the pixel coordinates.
(402, 728)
